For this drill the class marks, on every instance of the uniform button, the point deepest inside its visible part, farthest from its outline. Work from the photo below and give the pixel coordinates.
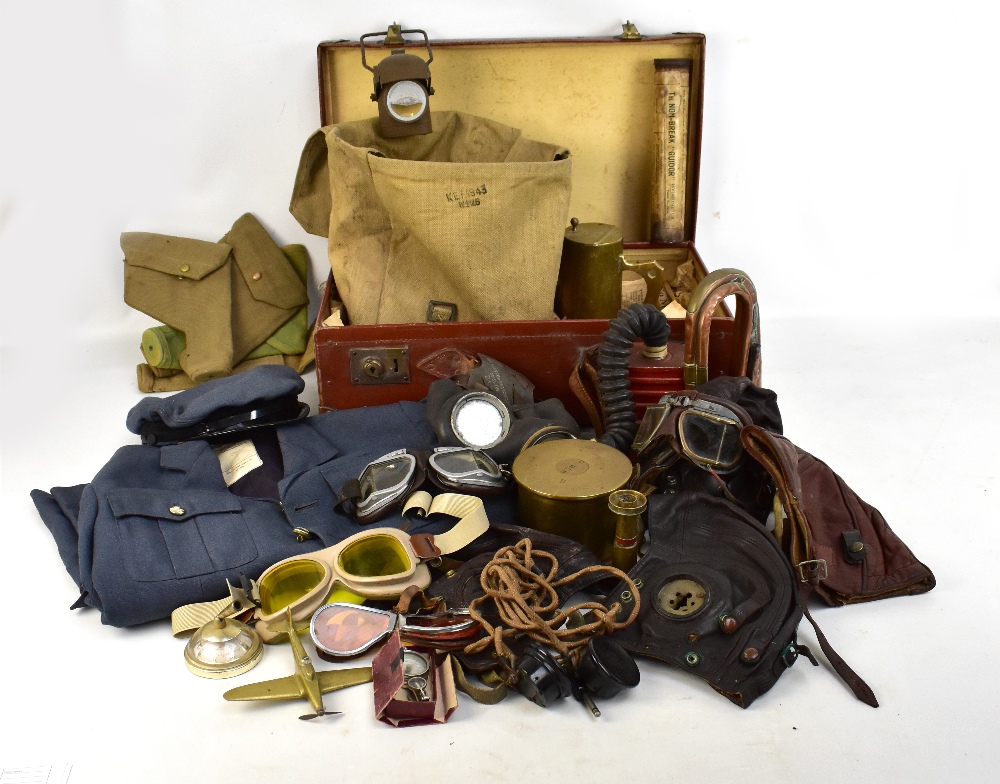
(185, 268)
(256, 276)
(176, 510)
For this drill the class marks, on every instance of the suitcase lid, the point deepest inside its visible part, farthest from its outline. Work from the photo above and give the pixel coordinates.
(596, 96)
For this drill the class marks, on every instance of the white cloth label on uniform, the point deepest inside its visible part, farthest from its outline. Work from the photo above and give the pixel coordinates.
(237, 460)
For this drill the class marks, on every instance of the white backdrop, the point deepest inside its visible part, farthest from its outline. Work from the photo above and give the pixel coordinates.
(849, 166)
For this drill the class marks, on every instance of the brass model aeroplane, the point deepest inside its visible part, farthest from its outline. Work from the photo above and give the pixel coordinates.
(306, 682)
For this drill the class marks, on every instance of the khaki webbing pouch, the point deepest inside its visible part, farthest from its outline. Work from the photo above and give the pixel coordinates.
(226, 297)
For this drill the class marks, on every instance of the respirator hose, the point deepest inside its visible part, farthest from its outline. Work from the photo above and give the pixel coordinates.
(640, 320)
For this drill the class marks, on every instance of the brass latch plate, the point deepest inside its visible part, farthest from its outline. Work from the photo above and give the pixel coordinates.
(380, 365)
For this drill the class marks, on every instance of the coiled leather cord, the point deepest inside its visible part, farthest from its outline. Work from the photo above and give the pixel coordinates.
(524, 593)
(640, 320)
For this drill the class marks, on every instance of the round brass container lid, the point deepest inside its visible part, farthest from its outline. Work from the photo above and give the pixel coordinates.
(571, 469)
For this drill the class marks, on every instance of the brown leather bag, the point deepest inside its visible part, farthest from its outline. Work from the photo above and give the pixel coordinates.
(839, 544)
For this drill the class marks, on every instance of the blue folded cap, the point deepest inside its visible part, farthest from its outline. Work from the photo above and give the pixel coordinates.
(221, 396)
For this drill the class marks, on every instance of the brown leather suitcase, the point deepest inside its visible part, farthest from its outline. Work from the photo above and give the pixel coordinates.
(596, 97)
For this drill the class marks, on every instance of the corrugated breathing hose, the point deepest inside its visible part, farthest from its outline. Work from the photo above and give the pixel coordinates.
(640, 320)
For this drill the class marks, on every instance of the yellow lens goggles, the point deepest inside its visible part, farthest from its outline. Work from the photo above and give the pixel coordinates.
(376, 564)
(379, 563)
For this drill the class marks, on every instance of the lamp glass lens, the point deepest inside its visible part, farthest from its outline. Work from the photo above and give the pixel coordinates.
(407, 101)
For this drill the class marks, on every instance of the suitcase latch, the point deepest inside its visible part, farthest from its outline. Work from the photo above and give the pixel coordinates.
(380, 365)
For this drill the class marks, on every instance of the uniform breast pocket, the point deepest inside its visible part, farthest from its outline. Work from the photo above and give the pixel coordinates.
(167, 535)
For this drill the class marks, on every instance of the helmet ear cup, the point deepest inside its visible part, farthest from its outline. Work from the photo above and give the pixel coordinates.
(606, 668)
(540, 677)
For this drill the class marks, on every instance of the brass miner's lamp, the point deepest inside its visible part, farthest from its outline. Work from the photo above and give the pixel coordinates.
(402, 86)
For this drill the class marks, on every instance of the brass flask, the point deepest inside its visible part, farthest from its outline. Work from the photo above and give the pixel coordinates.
(590, 273)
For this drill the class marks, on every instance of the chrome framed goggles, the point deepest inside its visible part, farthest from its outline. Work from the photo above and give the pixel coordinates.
(385, 483)
(388, 481)
(466, 470)
(342, 630)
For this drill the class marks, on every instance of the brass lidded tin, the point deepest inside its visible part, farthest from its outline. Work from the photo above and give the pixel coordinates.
(563, 488)
(590, 273)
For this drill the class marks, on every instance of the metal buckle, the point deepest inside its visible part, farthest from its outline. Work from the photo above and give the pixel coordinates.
(816, 566)
(424, 546)
(792, 652)
(241, 595)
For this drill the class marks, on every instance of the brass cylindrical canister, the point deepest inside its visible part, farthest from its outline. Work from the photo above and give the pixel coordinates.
(563, 488)
(590, 273)
(628, 507)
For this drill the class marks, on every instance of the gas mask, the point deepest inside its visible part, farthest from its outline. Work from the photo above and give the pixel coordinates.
(492, 409)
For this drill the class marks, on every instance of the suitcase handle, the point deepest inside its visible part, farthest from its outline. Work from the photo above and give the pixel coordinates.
(705, 299)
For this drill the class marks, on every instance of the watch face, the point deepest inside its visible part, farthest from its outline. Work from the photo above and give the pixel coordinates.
(406, 101)
(414, 663)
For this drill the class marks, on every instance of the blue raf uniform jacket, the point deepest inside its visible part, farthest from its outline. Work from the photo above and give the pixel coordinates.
(158, 527)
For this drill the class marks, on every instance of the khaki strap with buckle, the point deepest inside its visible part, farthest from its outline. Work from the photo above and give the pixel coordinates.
(482, 693)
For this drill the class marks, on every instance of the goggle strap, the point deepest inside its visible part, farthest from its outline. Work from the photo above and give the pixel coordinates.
(415, 593)
(349, 495)
(472, 522)
(190, 617)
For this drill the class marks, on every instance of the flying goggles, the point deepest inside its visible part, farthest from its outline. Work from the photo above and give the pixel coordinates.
(701, 430)
(386, 482)
(341, 629)
(376, 564)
